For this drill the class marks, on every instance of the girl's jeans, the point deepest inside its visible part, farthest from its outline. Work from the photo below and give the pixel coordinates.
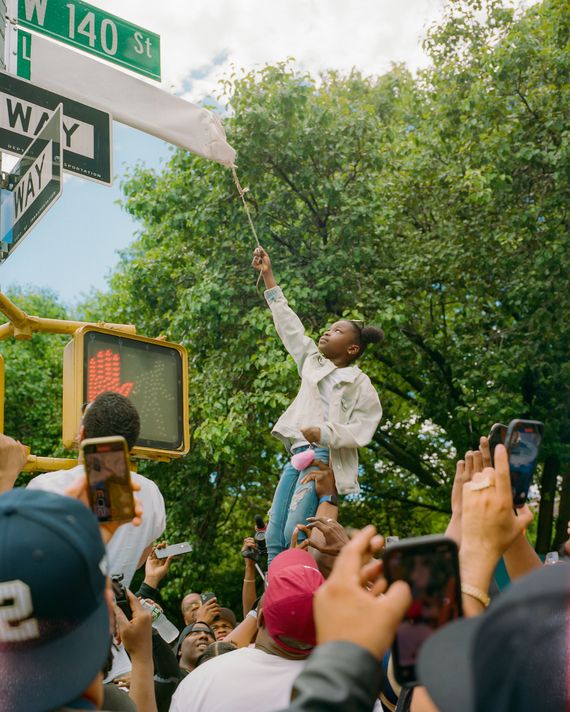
(292, 504)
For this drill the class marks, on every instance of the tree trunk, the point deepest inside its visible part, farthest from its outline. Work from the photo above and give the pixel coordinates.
(564, 512)
(546, 511)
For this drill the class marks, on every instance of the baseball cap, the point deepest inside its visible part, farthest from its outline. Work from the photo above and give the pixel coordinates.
(54, 636)
(512, 657)
(292, 580)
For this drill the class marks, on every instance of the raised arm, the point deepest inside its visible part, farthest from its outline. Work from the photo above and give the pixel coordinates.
(287, 324)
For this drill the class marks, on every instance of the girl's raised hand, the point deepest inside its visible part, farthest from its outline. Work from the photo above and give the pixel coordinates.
(261, 261)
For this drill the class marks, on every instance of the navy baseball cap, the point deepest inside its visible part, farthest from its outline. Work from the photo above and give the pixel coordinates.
(54, 619)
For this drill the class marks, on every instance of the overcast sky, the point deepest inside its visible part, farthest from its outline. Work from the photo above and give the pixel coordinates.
(205, 38)
(75, 245)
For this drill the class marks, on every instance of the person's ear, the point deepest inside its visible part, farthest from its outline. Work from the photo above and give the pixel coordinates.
(353, 350)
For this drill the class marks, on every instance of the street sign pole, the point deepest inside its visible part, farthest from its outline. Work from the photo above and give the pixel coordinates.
(33, 186)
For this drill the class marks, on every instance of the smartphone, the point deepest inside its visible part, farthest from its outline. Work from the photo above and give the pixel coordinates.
(207, 596)
(121, 598)
(430, 565)
(109, 478)
(497, 436)
(174, 550)
(523, 441)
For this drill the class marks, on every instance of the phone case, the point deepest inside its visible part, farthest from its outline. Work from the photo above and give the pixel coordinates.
(436, 588)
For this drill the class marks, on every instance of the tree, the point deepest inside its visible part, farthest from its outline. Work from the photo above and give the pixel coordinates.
(34, 373)
(435, 206)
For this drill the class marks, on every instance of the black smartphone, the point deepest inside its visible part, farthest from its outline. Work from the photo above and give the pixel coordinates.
(109, 478)
(523, 441)
(430, 565)
(497, 436)
(207, 596)
(174, 550)
(121, 598)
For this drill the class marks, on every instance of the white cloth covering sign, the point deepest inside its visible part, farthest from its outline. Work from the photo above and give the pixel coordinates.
(129, 100)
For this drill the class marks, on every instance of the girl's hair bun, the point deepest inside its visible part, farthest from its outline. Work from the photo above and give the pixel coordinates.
(371, 335)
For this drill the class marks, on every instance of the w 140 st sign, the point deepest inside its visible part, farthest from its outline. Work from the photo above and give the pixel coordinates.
(95, 31)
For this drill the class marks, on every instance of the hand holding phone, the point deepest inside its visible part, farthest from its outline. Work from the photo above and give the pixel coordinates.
(173, 550)
(121, 597)
(108, 473)
(523, 440)
(430, 566)
(488, 523)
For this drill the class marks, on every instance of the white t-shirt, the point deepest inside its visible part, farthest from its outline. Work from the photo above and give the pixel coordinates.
(129, 542)
(244, 680)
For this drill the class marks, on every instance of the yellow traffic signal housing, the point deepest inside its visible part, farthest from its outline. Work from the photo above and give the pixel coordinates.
(152, 373)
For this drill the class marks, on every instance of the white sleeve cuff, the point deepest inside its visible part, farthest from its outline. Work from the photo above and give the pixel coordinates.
(273, 294)
(325, 435)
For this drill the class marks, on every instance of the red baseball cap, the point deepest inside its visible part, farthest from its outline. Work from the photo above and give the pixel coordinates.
(292, 580)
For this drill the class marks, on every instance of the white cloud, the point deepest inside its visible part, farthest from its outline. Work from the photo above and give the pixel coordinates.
(208, 37)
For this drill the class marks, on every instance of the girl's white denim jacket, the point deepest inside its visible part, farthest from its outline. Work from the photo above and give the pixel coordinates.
(354, 409)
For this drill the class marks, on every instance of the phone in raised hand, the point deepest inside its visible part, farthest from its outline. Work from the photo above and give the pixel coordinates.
(108, 473)
(183, 547)
(430, 566)
(523, 440)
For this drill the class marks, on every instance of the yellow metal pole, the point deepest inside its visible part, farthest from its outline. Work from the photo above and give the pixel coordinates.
(19, 318)
(48, 464)
(61, 326)
(21, 326)
(6, 330)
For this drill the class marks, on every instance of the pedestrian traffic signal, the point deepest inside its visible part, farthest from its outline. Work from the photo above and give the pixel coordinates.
(152, 373)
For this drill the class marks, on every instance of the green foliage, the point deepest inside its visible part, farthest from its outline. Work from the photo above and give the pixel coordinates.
(33, 373)
(434, 206)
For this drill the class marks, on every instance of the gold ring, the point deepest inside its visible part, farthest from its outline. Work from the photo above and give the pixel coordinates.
(481, 485)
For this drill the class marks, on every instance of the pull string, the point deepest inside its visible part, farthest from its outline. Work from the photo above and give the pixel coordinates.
(242, 192)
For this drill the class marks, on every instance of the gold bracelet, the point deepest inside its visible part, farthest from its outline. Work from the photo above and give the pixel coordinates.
(476, 593)
(249, 580)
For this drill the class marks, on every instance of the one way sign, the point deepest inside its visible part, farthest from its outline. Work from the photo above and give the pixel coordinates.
(33, 187)
(25, 108)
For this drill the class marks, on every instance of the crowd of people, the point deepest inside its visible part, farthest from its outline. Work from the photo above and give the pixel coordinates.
(316, 632)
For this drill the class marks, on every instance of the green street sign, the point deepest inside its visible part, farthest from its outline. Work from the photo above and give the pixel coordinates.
(95, 31)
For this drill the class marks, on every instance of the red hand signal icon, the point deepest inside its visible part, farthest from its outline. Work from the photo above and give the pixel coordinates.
(104, 374)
